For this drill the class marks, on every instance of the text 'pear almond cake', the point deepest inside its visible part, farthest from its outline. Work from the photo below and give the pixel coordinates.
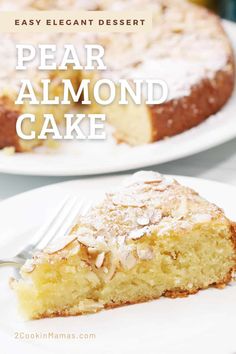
(187, 48)
(152, 237)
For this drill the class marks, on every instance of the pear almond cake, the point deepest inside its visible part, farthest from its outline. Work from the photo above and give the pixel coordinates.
(148, 238)
(187, 48)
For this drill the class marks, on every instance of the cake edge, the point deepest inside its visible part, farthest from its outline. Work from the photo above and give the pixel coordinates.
(219, 88)
(206, 99)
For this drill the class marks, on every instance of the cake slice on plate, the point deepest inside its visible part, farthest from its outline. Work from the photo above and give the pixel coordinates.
(150, 237)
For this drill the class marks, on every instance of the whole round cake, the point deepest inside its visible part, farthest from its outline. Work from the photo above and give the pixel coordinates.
(187, 48)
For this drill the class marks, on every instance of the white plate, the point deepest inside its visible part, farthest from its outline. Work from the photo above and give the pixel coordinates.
(202, 323)
(85, 158)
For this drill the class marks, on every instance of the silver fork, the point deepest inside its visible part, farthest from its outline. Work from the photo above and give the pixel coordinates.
(57, 226)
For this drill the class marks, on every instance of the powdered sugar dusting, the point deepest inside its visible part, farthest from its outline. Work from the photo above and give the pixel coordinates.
(185, 45)
(115, 232)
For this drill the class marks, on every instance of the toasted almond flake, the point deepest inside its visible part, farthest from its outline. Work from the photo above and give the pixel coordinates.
(145, 254)
(138, 233)
(181, 210)
(59, 244)
(128, 261)
(111, 272)
(29, 266)
(143, 177)
(101, 243)
(143, 221)
(160, 188)
(74, 250)
(126, 201)
(154, 181)
(87, 240)
(156, 217)
(100, 259)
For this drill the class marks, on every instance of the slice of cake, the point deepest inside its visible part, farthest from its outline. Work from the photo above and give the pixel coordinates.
(149, 238)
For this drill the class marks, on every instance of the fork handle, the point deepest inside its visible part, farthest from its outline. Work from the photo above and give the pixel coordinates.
(14, 262)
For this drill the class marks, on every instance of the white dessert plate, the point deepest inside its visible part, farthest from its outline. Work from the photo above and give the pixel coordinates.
(90, 157)
(201, 323)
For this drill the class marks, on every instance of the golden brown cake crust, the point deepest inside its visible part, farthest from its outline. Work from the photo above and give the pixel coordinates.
(206, 98)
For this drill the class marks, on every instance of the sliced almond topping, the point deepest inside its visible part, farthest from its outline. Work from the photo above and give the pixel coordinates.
(128, 261)
(181, 210)
(100, 259)
(144, 177)
(154, 181)
(87, 240)
(109, 272)
(126, 200)
(160, 187)
(59, 244)
(138, 233)
(156, 217)
(75, 250)
(101, 243)
(143, 221)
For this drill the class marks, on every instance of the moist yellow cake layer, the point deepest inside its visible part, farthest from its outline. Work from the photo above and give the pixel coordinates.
(183, 262)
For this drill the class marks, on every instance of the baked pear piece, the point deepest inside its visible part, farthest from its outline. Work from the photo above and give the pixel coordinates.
(148, 238)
